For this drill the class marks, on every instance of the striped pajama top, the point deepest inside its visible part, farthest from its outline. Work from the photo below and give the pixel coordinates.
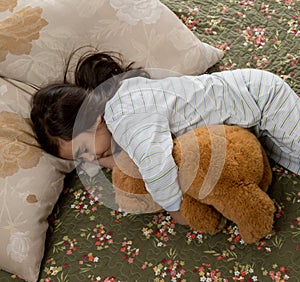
(144, 113)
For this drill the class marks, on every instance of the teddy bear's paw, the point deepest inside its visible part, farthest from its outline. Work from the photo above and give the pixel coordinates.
(253, 237)
(201, 217)
(212, 226)
(259, 226)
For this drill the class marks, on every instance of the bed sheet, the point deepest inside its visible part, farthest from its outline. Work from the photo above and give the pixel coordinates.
(87, 241)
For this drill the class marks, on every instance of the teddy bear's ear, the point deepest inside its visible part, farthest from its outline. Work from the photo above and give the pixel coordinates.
(176, 152)
(186, 154)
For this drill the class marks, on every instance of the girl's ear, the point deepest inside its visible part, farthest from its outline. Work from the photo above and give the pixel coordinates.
(100, 120)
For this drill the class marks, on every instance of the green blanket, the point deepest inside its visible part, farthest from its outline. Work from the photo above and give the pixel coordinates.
(89, 242)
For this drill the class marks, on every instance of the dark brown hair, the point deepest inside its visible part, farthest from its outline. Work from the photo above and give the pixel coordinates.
(53, 114)
(57, 107)
(94, 68)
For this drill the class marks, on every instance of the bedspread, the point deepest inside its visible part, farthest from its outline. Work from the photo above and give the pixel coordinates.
(88, 241)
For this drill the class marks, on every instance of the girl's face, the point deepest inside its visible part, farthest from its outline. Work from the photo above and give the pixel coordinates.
(88, 146)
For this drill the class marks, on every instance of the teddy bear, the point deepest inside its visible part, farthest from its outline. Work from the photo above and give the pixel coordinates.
(224, 175)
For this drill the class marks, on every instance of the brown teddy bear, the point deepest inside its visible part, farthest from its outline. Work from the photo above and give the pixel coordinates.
(224, 174)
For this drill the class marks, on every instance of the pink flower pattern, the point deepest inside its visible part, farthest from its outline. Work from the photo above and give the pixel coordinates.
(90, 241)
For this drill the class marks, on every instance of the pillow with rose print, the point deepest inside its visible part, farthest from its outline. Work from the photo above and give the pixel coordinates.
(37, 37)
(30, 184)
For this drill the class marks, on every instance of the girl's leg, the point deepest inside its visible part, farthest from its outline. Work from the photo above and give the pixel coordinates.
(279, 128)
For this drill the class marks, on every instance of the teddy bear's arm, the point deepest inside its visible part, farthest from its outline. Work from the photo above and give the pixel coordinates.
(201, 217)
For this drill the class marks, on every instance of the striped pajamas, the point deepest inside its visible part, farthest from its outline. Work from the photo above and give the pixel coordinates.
(144, 113)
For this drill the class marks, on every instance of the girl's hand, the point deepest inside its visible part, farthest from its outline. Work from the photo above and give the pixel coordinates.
(108, 162)
(178, 218)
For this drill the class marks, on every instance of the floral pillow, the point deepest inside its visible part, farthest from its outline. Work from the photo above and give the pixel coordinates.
(30, 184)
(37, 37)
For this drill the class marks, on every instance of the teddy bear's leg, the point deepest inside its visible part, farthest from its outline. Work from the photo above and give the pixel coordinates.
(201, 217)
(267, 174)
(247, 206)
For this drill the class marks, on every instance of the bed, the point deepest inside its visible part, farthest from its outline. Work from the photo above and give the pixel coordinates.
(88, 241)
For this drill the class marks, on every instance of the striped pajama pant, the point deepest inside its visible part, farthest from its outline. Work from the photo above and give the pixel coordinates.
(279, 126)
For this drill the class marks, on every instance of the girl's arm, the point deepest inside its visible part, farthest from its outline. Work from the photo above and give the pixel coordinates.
(178, 218)
(147, 140)
(110, 163)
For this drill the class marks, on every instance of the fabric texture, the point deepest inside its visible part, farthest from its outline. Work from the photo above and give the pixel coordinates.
(30, 184)
(89, 241)
(37, 38)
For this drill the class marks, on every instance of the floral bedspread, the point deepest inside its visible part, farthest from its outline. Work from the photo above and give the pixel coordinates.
(89, 242)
